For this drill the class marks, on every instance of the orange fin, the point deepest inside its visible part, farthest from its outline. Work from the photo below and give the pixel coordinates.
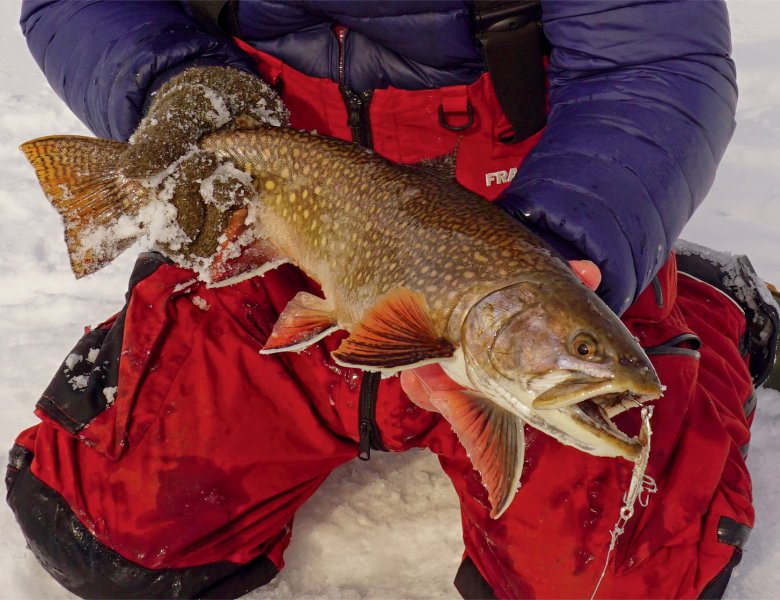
(305, 320)
(397, 333)
(237, 259)
(493, 438)
(420, 383)
(80, 177)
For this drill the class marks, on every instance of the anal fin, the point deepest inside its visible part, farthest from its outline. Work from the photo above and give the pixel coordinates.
(240, 256)
(305, 320)
(493, 438)
(397, 333)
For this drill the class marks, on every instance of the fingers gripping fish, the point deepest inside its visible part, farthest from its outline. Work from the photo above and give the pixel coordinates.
(416, 268)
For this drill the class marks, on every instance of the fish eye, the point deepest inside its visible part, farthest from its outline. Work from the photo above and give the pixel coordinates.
(585, 347)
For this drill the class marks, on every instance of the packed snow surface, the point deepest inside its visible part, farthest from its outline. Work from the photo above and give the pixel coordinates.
(388, 528)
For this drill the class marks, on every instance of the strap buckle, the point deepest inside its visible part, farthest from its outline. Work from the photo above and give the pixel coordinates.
(469, 119)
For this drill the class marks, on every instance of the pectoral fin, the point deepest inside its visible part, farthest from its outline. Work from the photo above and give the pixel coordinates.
(239, 256)
(305, 320)
(397, 333)
(493, 439)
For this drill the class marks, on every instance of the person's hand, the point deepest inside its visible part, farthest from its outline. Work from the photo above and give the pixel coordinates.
(587, 271)
(196, 102)
(205, 191)
(427, 384)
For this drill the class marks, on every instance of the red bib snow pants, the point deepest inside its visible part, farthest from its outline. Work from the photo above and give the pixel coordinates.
(178, 446)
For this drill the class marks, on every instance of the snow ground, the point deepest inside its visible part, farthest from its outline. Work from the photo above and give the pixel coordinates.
(390, 527)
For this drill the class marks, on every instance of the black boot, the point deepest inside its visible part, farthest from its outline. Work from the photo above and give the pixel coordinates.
(736, 277)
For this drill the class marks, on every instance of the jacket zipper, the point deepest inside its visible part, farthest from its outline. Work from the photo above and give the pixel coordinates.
(357, 103)
(341, 35)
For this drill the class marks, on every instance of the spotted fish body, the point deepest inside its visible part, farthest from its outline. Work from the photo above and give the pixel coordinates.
(416, 268)
(362, 226)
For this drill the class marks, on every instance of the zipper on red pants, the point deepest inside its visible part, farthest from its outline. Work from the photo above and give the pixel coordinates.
(369, 432)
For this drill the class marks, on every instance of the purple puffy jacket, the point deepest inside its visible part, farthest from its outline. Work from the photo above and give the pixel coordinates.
(642, 96)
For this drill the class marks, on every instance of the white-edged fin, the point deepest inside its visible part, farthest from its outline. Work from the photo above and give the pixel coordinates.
(244, 275)
(396, 333)
(240, 255)
(305, 320)
(493, 438)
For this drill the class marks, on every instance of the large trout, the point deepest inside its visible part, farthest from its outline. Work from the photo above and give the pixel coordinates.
(416, 268)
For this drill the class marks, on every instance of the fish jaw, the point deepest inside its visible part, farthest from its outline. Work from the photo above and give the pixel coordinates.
(584, 403)
(613, 393)
(584, 425)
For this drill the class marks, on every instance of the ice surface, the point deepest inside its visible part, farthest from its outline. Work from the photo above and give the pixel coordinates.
(389, 528)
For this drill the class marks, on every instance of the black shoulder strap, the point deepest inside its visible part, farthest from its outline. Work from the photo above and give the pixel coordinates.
(219, 16)
(510, 33)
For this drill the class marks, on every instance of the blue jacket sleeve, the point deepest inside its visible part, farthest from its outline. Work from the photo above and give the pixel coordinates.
(642, 102)
(103, 57)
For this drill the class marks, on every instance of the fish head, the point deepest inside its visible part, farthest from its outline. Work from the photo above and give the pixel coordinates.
(554, 354)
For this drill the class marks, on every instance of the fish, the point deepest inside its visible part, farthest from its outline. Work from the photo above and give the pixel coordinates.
(417, 269)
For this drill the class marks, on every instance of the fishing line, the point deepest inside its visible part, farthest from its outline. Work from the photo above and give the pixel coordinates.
(642, 485)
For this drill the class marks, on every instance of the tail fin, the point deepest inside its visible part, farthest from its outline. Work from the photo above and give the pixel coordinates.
(81, 179)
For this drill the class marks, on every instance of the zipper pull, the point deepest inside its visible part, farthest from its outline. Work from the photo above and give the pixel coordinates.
(354, 111)
(358, 119)
(364, 445)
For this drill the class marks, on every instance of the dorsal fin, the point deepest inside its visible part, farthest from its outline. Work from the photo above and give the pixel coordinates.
(305, 320)
(396, 333)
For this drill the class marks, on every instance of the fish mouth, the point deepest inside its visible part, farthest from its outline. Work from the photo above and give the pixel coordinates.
(615, 394)
(592, 405)
(576, 408)
(585, 425)
(595, 418)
